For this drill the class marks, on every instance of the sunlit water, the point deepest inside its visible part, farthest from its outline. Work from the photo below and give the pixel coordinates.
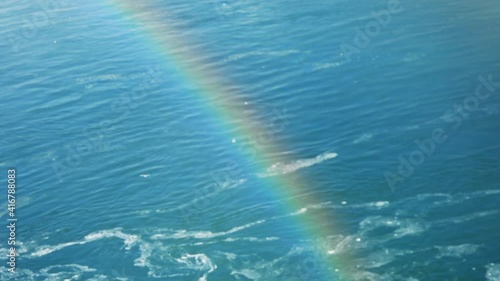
(386, 128)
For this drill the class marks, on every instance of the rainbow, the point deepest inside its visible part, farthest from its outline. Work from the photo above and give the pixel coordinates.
(221, 100)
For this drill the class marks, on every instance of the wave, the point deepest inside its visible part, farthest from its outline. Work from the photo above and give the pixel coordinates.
(55, 272)
(377, 205)
(372, 231)
(278, 53)
(457, 251)
(285, 168)
(128, 239)
(198, 200)
(493, 272)
(180, 234)
(252, 239)
(198, 262)
(363, 138)
(148, 254)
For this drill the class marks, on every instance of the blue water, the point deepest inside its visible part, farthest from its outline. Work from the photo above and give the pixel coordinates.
(115, 185)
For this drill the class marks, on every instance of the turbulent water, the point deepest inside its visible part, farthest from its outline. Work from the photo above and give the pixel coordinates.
(387, 110)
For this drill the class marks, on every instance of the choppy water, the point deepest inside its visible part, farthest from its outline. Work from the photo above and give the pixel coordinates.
(152, 198)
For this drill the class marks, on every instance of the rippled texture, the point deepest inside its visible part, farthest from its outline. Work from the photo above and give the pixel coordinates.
(126, 170)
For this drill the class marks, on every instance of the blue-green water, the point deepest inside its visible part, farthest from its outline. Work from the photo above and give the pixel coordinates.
(115, 185)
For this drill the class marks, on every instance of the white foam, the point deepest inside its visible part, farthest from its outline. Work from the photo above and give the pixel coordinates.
(229, 256)
(299, 212)
(321, 205)
(341, 246)
(104, 77)
(248, 274)
(400, 228)
(54, 272)
(149, 253)
(285, 168)
(456, 251)
(377, 205)
(198, 262)
(129, 241)
(252, 239)
(443, 199)
(466, 218)
(320, 66)
(363, 138)
(146, 251)
(181, 234)
(380, 204)
(493, 272)
(410, 228)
